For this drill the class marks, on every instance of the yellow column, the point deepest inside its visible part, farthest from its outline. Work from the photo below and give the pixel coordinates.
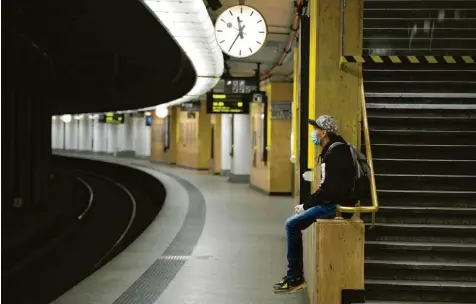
(313, 13)
(204, 135)
(295, 124)
(172, 152)
(215, 163)
(158, 138)
(274, 176)
(333, 91)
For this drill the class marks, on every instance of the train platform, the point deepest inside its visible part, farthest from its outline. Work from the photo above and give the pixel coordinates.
(212, 242)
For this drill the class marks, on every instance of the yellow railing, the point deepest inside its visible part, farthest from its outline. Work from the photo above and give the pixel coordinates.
(368, 150)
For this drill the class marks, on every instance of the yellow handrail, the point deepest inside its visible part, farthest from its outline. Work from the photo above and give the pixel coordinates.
(368, 150)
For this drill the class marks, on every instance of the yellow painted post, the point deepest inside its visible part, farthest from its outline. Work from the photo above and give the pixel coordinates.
(313, 12)
(295, 124)
(203, 132)
(334, 92)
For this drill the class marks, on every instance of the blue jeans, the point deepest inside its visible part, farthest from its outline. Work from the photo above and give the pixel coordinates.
(294, 227)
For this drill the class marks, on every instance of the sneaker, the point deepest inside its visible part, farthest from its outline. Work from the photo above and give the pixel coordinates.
(280, 283)
(290, 285)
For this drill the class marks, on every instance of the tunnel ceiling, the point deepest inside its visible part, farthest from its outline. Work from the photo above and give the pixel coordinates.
(97, 55)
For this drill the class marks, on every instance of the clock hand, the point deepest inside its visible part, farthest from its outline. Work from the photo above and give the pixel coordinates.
(236, 38)
(240, 28)
(234, 41)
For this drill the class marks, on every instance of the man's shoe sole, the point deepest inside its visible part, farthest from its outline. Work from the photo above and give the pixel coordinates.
(294, 289)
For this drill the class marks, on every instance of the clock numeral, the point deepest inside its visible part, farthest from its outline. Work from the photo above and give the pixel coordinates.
(251, 51)
(259, 21)
(258, 42)
(222, 41)
(219, 31)
(240, 52)
(230, 13)
(261, 32)
(223, 20)
(241, 10)
(252, 13)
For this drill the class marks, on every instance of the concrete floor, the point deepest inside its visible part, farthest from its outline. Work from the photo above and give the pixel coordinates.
(236, 258)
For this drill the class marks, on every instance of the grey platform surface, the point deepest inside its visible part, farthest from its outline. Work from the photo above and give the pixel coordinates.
(239, 252)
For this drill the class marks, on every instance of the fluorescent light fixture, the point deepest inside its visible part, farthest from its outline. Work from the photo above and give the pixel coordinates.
(148, 113)
(53, 117)
(66, 118)
(93, 116)
(161, 111)
(78, 117)
(189, 24)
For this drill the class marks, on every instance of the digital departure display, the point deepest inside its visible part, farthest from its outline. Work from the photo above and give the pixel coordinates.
(190, 106)
(223, 104)
(112, 118)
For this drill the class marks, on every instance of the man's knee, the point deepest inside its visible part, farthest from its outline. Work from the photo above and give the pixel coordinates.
(291, 223)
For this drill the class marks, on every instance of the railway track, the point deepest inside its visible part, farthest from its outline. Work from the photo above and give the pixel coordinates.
(90, 240)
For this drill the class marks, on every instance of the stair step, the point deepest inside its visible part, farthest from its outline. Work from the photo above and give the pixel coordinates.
(406, 109)
(420, 270)
(426, 13)
(422, 232)
(408, 23)
(429, 4)
(416, 101)
(424, 123)
(417, 265)
(415, 151)
(425, 166)
(386, 136)
(403, 32)
(426, 215)
(426, 182)
(420, 32)
(411, 107)
(406, 302)
(441, 86)
(418, 198)
(457, 73)
(420, 251)
(409, 290)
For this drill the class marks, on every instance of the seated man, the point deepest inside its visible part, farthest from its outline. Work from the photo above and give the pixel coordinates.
(337, 179)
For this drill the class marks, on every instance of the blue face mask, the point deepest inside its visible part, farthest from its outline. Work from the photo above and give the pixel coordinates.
(314, 139)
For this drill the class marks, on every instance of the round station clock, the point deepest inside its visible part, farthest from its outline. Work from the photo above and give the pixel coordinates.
(240, 31)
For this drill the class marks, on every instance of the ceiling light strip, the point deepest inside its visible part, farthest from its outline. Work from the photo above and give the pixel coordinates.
(189, 24)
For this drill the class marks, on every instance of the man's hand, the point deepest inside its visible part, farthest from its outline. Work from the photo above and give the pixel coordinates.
(299, 209)
(307, 176)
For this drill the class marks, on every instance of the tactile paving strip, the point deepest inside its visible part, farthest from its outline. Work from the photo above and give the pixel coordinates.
(148, 288)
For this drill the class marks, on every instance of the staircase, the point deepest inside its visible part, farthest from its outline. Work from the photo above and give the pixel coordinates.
(422, 122)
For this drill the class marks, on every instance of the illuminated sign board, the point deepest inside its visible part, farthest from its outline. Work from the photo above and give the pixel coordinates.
(243, 85)
(223, 104)
(190, 106)
(112, 118)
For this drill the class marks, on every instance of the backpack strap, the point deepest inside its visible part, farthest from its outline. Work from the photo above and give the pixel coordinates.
(337, 143)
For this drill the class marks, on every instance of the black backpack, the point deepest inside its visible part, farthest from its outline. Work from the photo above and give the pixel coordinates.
(361, 188)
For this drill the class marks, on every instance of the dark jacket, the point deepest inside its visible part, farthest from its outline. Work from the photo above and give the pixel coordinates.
(337, 177)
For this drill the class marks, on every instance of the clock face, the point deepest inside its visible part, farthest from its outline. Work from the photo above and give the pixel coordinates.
(240, 31)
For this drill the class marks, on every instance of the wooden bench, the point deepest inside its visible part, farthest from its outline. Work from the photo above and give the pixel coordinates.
(334, 261)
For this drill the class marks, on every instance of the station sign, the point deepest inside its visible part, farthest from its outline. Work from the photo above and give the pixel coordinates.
(190, 106)
(228, 104)
(112, 118)
(245, 85)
